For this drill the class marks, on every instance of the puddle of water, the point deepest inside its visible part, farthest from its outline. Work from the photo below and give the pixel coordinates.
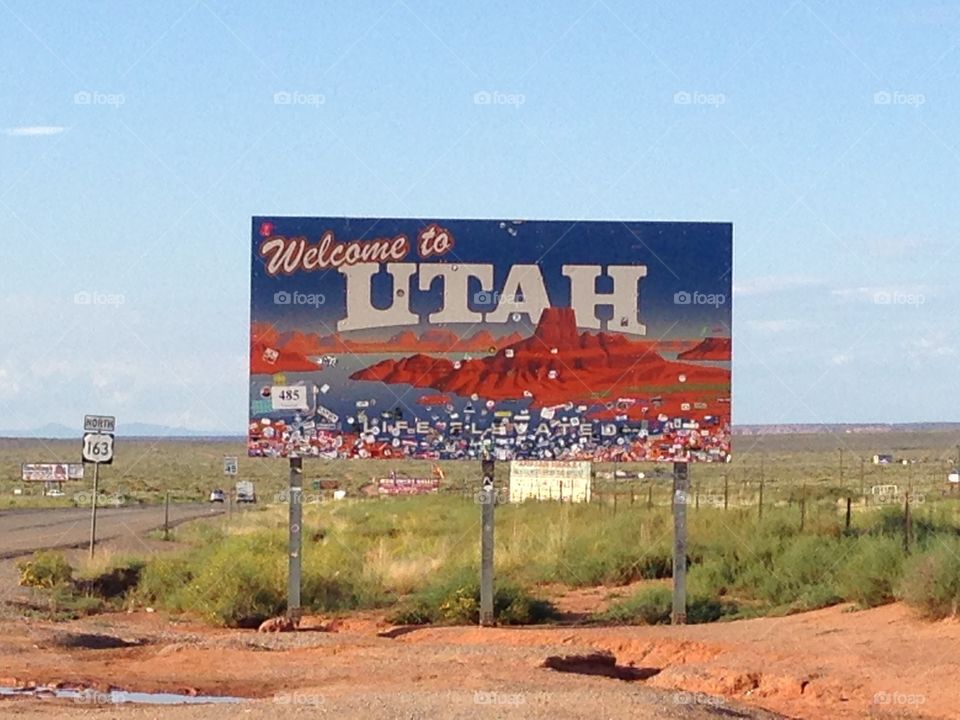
(120, 697)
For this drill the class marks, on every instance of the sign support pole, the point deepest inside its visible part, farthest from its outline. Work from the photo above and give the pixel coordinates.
(294, 610)
(93, 507)
(681, 493)
(166, 516)
(488, 497)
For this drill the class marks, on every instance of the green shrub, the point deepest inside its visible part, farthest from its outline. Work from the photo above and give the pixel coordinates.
(457, 602)
(67, 603)
(870, 575)
(650, 606)
(240, 582)
(931, 581)
(654, 606)
(801, 575)
(162, 582)
(238, 595)
(588, 563)
(113, 583)
(46, 569)
(702, 610)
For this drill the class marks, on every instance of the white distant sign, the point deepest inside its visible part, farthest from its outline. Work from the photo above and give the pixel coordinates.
(954, 477)
(289, 397)
(99, 424)
(567, 481)
(98, 448)
(230, 466)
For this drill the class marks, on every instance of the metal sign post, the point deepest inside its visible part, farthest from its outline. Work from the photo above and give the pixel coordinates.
(488, 498)
(681, 493)
(93, 507)
(97, 449)
(296, 539)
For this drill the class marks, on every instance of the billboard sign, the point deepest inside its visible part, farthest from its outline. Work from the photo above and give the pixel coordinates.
(550, 480)
(51, 472)
(443, 339)
(395, 485)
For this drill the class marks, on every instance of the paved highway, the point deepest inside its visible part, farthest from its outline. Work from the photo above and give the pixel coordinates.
(23, 531)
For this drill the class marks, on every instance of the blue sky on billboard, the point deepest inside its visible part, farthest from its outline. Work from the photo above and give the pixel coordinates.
(136, 142)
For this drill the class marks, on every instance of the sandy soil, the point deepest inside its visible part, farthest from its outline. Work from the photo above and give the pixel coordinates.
(834, 663)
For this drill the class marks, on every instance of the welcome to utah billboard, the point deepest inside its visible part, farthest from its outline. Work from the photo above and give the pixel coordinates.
(388, 338)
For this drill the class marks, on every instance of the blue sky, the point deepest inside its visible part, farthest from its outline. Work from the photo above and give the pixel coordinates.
(137, 140)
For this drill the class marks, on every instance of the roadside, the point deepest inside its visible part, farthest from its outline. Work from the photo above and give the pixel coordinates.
(827, 664)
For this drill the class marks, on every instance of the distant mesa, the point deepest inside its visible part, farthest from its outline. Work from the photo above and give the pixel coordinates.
(300, 343)
(713, 348)
(439, 340)
(269, 355)
(559, 364)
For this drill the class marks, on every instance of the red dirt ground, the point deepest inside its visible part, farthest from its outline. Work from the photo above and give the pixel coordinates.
(834, 663)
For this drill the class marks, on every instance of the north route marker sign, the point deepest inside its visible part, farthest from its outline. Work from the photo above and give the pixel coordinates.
(442, 339)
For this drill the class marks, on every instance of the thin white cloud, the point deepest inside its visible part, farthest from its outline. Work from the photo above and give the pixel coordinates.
(35, 130)
(935, 344)
(9, 387)
(772, 326)
(887, 294)
(768, 284)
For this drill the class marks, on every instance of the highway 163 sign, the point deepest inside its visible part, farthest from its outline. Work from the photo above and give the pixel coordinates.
(98, 448)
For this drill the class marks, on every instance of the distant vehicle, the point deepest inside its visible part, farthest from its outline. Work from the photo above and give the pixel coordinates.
(54, 493)
(245, 492)
(217, 496)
